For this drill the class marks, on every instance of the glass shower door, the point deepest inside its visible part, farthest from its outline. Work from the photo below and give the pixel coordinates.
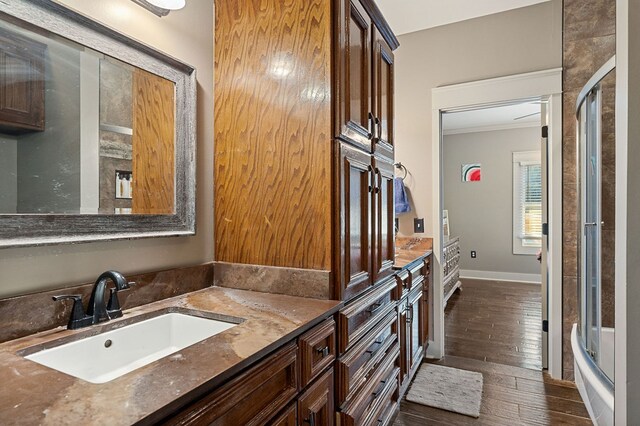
(590, 165)
(596, 219)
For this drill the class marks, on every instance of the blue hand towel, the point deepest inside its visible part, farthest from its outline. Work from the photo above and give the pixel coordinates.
(400, 196)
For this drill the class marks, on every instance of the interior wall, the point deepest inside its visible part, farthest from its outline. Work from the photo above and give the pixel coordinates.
(481, 213)
(589, 41)
(518, 41)
(186, 34)
(8, 174)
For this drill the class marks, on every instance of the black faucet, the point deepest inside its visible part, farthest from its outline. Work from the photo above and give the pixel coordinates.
(98, 311)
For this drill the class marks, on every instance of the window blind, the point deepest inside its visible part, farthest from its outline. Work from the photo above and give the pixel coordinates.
(530, 204)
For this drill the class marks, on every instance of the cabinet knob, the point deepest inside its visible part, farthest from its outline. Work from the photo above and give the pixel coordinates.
(324, 352)
(312, 419)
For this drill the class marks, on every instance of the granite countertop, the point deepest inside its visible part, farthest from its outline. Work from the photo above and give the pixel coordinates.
(34, 394)
(408, 250)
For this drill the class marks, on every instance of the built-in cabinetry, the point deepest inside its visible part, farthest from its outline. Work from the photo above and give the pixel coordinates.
(304, 179)
(413, 313)
(382, 336)
(352, 369)
(364, 77)
(451, 267)
(22, 80)
(304, 139)
(291, 386)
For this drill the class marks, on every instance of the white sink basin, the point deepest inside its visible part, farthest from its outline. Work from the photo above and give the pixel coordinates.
(106, 356)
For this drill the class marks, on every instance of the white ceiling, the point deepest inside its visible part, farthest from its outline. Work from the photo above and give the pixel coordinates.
(502, 117)
(407, 16)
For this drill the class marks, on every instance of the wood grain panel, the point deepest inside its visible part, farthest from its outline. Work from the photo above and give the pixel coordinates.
(273, 132)
(153, 144)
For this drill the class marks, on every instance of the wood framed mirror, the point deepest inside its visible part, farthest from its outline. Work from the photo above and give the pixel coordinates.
(97, 132)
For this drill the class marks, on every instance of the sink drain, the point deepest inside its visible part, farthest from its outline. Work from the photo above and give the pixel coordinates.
(108, 343)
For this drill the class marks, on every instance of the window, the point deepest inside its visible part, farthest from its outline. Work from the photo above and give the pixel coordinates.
(527, 202)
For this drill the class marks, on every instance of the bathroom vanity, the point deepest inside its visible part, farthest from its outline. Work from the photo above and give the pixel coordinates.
(279, 353)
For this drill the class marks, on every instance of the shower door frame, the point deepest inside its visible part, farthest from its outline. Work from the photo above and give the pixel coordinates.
(592, 85)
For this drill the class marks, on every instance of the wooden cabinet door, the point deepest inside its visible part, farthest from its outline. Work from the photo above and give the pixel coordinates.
(383, 94)
(22, 100)
(383, 220)
(315, 406)
(289, 417)
(404, 336)
(355, 192)
(425, 302)
(354, 113)
(415, 339)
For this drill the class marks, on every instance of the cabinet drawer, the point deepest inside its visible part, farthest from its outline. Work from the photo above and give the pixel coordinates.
(251, 398)
(315, 406)
(355, 320)
(317, 351)
(403, 279)
(415, 271)
(427, 266)
(289, 417)
(359, 363)
(420, 271)
(365, 405)
(388, 408)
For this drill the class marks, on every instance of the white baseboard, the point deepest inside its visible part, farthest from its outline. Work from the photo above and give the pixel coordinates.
(502, 276)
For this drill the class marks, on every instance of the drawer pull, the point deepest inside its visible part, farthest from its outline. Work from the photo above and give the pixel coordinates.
(374, 307)
(377, 342)
(323, 351)
(375, 394)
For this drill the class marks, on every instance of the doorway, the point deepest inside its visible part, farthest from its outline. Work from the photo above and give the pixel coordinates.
(542, 88)
(493, 189)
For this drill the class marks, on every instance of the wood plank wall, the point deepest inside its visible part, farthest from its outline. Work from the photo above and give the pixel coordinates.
(273, 133)
(153, 144)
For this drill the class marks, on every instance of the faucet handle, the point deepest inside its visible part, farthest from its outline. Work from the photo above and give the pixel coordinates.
(74, 297)
(113, 306)
(78, 317)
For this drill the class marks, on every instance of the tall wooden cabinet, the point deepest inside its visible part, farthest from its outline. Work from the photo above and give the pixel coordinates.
(304, 146)
(304, 138)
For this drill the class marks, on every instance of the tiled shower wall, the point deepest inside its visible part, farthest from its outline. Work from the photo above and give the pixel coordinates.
(588, 42)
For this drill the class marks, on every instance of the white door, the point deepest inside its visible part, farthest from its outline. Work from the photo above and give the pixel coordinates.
(544, 156)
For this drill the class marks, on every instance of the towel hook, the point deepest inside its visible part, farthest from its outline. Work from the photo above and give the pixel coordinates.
(403, 168)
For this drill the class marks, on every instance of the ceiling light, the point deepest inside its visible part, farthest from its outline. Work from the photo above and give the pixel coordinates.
(161, 7)
(168, 4)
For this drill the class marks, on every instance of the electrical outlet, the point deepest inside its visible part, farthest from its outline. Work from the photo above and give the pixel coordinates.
(418, 225)
(473, 254)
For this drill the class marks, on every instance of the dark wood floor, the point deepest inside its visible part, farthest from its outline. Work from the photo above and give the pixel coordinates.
(494, 329)
(494, 321)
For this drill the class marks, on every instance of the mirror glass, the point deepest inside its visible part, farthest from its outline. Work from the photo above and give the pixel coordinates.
(81, 133)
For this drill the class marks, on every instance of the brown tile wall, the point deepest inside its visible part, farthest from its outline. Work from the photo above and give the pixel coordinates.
(588, 42)
(24, 315)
